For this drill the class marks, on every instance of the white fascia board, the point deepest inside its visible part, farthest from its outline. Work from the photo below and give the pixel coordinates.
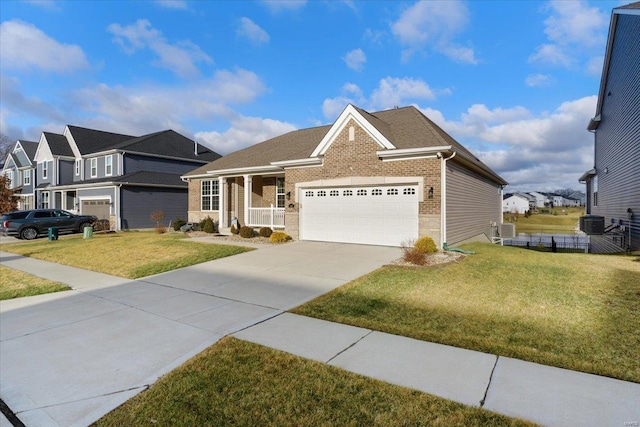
(623, 11)
(309, 161)
(350, 113)
(412, 153)
(244, 171)
(72, 142)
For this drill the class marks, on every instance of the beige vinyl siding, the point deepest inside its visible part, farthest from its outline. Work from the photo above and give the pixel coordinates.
(473, 202)
(617, 152)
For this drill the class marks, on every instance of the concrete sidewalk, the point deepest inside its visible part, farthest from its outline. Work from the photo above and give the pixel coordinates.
(69, 358)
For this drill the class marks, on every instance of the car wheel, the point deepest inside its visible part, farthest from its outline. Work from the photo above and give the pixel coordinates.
(29, 233)
(83, 225)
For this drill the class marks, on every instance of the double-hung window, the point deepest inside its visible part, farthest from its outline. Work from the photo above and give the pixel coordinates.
(45, 200)
(45, 170)
(26, 177)
(94, 167)
(280, 195)
(108, 165)
(210, 200)
(78, 163)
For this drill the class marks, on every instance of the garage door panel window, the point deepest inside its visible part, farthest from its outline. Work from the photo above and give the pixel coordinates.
(210, 200)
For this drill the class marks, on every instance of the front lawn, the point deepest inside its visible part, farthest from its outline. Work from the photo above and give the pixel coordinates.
(16, 284)
(575, 311)
(128, 254)
(236, 383)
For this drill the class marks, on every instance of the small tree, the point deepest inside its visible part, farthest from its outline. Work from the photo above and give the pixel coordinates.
(8, 201)
(158, 216)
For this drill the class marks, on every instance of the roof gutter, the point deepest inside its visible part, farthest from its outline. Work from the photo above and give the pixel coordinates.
(443, 196)
(412, 153)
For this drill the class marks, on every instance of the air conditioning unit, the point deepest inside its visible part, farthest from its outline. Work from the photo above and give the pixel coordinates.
(507, 230)
(592, 224)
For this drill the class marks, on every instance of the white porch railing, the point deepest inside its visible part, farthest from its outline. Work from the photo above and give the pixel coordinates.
(266, 217)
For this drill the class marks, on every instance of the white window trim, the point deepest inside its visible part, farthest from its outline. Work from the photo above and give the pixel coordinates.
(26, 177)
(212, 196)
(78, 164)
(283, 193)
(45, 170)
(45, 197)
(93, 168)
(108, 165)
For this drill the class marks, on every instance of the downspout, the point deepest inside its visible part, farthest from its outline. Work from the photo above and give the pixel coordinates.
(443, 196)
(116, 207)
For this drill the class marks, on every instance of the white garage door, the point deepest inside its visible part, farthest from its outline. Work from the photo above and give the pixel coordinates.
(99, 208)
(383, 215)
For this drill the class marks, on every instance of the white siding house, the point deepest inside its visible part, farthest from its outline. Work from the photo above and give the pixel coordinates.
(513, 203)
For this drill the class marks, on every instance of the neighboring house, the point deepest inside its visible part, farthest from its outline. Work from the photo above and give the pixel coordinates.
(121, 178)
(374, 178)
(19, 167)
(541, 199)
(613, 185)
(515, 202)
(579, 196)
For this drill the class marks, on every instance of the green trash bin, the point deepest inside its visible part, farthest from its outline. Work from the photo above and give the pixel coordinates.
(53, 233)
(87, 232)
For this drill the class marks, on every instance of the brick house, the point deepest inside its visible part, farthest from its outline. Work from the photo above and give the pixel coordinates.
(371, 178)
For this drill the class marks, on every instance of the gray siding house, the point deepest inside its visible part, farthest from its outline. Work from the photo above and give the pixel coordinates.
(120, 178)
(380, 178)
(613, 185)
(20, 168)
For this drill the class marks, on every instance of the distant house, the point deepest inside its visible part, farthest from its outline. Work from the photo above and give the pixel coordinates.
(613, 185)
(378, 178)
(19, 168)
(542, 200)
(515, 202)
(120, 178)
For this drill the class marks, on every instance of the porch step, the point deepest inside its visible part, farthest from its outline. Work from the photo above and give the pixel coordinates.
(225, 231)
(605, 245)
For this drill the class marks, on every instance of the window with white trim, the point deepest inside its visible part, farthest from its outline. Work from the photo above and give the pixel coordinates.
(9, 175)
(27, 203)
(78, 163)
(361, 192)
(334, 193)
(376, 192)
(45, 170)
(322, 193)
(409, 191)
(280, 194)
(210, 195)
(108, 165)
(392, 192)
(94, 167)
(26, 177)
(45, 200)
(595, 190)
(309, 193)
(347, 193)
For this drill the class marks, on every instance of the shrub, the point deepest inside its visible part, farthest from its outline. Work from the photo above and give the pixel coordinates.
(266, 231)
(412, 255)
(425, 245)
(246, 232)
(177, 223)
(161, 229)
(236, 229)
(279, 237)
(157, 217)
(208, 226)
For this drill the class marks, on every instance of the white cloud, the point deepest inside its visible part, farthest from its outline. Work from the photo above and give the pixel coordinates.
(173, 4)
(276, 6)
(252, 31)
(434, 24)
(390, 92)
(355, 59)
(539, 80)
(180, 58)
(24, 47)
(544, 151)
(244, 131)
(576, 33)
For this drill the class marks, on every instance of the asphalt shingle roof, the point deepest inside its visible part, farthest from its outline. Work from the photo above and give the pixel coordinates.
(58, 144)
(30, 148)
(168, 143)
(404, 127)
(93, 141)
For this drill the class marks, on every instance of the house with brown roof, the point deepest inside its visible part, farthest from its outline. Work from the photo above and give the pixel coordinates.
(378, 178)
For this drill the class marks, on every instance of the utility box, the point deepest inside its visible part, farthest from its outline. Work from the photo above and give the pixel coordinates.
(507, 230)
(87, 232)
(593, 225)
(53, 233)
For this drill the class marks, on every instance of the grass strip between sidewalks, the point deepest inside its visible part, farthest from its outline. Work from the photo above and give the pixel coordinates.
(242, 384)
(574, 311)
(17, 284)
(129, 254)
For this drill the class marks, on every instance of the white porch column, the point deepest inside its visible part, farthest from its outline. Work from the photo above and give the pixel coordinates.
(222, 220)
(247, 197)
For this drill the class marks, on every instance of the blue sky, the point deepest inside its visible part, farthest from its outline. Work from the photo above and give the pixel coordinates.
(513, 81)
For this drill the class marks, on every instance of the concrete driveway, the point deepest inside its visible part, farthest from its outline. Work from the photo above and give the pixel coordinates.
(68, 358)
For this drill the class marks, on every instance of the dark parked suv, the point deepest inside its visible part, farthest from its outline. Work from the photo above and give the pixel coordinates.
(33, 223)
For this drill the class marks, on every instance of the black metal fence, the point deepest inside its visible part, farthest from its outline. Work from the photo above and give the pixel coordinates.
(565, 243)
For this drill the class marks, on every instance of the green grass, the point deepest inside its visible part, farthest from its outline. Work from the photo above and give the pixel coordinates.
(130, 254)
(575, 311)
(551, 221)
(17, 284)
(236, 383)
